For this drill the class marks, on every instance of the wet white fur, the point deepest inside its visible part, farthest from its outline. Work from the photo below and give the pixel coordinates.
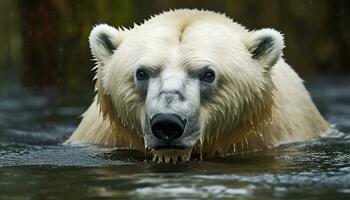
(261, 103)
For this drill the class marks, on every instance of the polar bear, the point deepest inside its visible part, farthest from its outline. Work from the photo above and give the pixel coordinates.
(193, 81)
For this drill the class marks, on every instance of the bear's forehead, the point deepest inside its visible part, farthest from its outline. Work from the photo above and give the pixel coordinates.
(178, 43)
(196, 33)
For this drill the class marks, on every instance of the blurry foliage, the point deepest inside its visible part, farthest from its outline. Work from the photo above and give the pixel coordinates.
(10, 41)
(47, 40)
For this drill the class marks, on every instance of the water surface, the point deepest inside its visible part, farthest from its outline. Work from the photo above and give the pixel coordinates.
(34, 164)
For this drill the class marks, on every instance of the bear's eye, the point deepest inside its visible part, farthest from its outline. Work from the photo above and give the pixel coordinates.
(208, 76)
(141, 75)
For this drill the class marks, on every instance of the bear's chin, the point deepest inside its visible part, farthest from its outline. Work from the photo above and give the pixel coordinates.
(171, 156)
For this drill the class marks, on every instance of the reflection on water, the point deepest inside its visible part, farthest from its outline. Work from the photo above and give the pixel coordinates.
(33, 163)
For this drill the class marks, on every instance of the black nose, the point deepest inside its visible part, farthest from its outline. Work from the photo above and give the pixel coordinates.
(167, 126)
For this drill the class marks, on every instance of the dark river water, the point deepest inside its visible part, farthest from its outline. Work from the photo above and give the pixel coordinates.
(34, 164)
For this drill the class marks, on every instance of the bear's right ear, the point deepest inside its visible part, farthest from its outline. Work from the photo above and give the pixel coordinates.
(104, 39)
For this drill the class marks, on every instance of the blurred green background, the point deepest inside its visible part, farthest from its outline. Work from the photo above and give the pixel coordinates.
(45, 42)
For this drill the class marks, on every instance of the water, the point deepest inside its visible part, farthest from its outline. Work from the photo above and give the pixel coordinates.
(34, 164)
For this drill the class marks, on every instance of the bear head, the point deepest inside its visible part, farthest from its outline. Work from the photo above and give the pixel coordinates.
(185, 81)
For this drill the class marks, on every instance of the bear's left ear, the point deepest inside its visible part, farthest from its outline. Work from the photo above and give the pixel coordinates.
(104, 39)
(266, 46)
